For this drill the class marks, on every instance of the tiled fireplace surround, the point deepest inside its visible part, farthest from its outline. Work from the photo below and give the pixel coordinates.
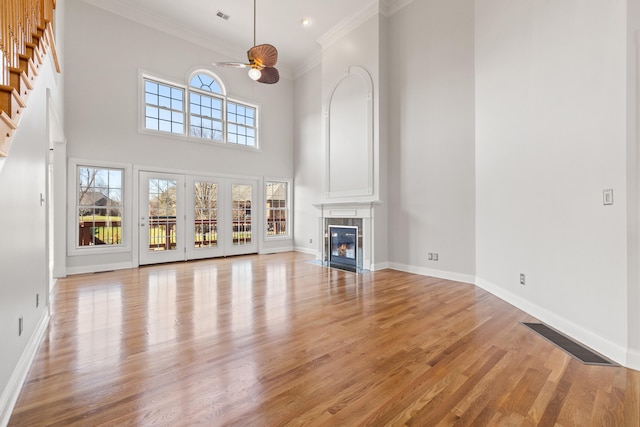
(349, 213)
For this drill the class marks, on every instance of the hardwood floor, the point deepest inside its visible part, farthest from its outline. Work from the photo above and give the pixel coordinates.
(274, 340)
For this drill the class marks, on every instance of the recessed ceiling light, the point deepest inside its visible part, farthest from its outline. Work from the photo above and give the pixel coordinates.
(305, 22)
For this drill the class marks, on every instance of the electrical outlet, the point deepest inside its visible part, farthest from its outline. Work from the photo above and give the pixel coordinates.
(310, 240)
(522, 279)
(430, 256)
(20, 325)
(435, 257)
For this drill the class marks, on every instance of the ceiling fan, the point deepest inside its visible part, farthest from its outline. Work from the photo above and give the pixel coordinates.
(262, 59)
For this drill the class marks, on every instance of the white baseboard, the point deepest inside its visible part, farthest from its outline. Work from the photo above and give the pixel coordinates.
(598, 343)
(307, 251)
(380, 266)
(267, 251)
(98, 268)
(442, 274)
(11, 392)
(633, 359)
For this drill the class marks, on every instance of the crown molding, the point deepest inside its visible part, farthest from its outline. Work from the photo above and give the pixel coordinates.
(349, 24)
(389, 7)
(308, 65)
(384, 7)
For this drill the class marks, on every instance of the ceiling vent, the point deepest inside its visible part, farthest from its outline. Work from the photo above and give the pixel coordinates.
(222, 15)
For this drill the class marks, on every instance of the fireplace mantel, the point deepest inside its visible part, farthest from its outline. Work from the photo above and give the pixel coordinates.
(354, 210)
(346, 209)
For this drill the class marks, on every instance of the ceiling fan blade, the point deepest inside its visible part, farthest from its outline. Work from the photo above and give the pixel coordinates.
(269, 76)
(231, 64)
(265, 55)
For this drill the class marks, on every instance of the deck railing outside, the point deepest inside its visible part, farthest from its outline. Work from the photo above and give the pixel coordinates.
(162, 233)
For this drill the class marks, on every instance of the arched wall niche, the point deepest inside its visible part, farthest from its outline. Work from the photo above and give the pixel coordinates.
(349, 136)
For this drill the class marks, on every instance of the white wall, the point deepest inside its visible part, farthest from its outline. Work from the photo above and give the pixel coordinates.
(24, 266)
(633, 184)
(104, 55)
(308, 159)
(431, 138)
(551, 135)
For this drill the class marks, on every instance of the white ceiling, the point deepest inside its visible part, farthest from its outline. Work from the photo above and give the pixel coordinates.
(278, 23)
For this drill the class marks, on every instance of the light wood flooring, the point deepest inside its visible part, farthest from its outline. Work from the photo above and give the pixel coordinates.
(275, 340)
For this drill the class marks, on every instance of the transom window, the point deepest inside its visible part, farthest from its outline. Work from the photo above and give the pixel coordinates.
(211, 115)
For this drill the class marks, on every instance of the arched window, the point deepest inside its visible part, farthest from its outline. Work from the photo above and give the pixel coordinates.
(206, 82)
(211, 114)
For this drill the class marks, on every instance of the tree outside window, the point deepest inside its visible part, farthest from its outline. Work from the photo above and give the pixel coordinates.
(99, 206)
(276, 194)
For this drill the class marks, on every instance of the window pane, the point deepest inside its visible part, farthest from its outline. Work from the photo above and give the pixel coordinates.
(165, 126)
(276, 208)
(152, 123)
(151, 87)
(151, 99)
(152, 112)
(100, 206)
(162, 100)
(176, 93)
(165, 115)
(165, 91)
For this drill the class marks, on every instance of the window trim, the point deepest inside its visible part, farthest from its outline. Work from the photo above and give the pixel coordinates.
(73, 249)
(288, 211)
(143, 76)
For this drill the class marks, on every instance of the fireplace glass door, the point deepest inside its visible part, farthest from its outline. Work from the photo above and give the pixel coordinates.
(343, 247)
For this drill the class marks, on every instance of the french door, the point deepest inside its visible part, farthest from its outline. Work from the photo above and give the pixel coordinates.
(189, 217)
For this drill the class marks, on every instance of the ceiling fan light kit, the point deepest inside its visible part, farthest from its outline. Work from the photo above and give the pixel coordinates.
(262, 60)
(254, 74)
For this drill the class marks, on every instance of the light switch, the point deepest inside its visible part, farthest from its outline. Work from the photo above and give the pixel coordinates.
(607, 196)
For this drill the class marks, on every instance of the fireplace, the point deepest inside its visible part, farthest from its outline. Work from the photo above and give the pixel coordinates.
(343, 247)
(359, 219)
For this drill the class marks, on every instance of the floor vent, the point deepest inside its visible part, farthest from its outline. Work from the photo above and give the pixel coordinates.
(577, 350)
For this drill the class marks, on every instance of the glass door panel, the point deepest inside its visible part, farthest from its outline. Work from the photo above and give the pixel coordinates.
(242, 205)
(161, 211)
(204, 217)
(241, 211)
